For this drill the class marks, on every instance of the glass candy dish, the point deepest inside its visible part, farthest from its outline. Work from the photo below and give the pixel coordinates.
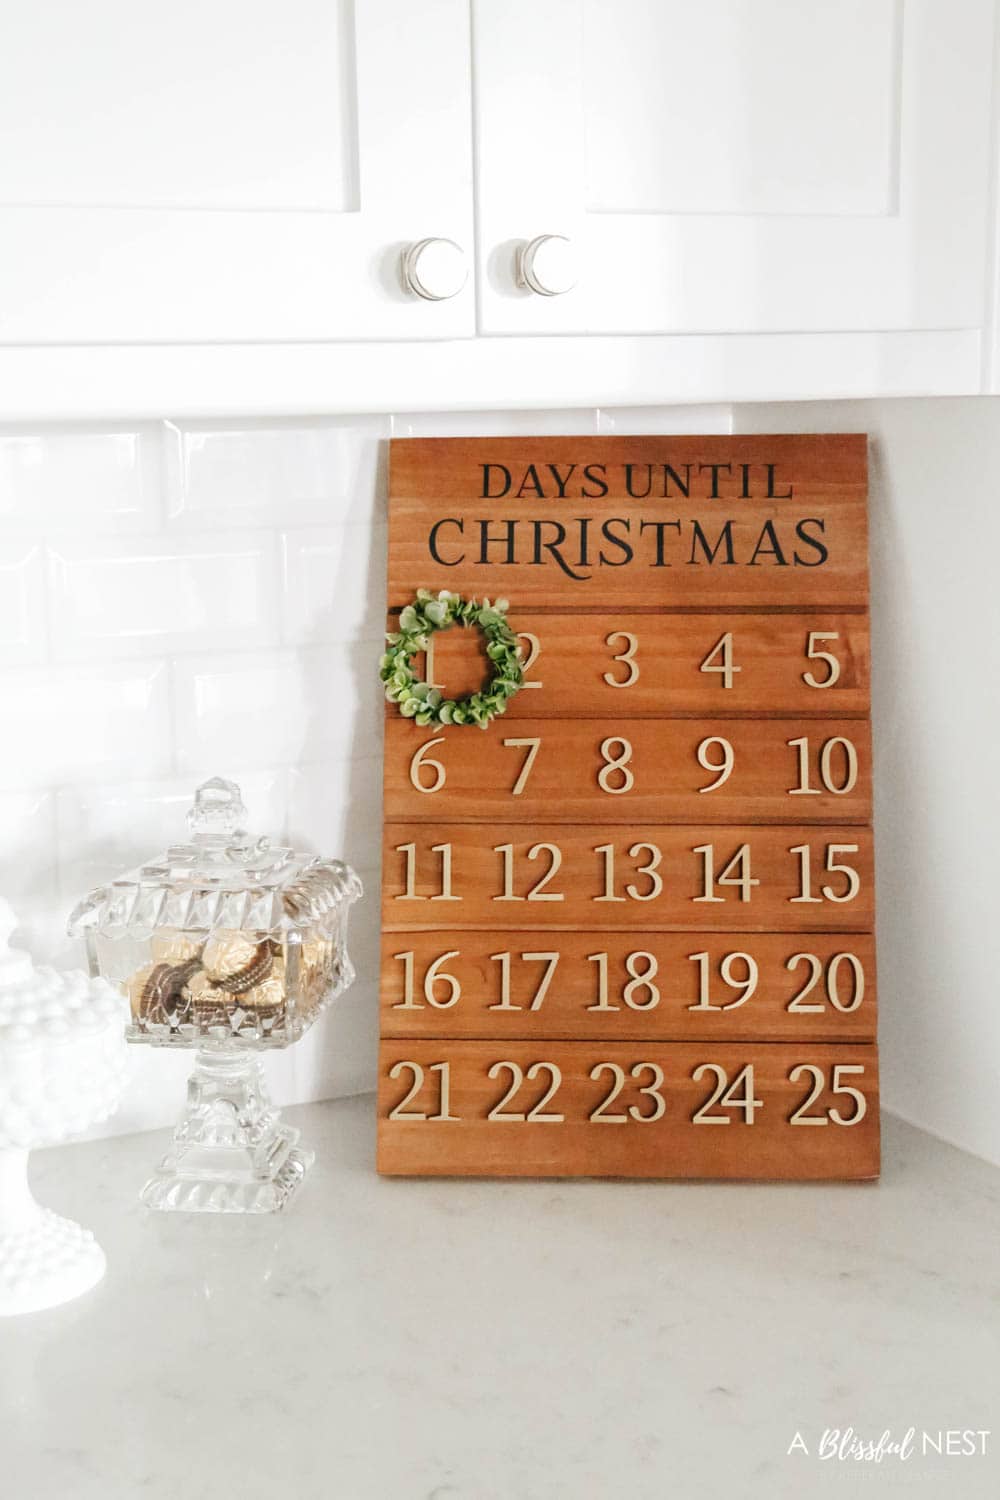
(62, 1069)
(230, 945)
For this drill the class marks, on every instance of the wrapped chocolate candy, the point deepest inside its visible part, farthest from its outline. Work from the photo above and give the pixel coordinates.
(228, 944)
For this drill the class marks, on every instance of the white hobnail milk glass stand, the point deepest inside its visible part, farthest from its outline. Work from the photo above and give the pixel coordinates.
(62, 1065)
(44, 1258)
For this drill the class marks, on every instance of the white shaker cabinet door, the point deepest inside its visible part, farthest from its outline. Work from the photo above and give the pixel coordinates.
(232, 170)
(733, 165)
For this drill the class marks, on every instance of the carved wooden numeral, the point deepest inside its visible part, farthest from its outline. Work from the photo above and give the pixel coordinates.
(736, 873)
(831, 975)
(745, 985)
(723, 650)
(402, 1110)
(814, 653)
(550, 960)
(801, 1115)
(536, 1115)
(421, 761)
(614, 776)
(648, 870)
(531, 745)
(738, 1095)
(410, 892)
(433, 976)
(626, 657)
(644, 1114)
(534, 652)
(838, 767)
(834, 865)
(639, 982)
(538, 891)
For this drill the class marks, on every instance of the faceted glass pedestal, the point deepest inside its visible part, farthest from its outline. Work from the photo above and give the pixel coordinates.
(231, 1152)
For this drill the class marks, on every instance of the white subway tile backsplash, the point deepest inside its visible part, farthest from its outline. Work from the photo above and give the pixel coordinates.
(129, 598)
(76, 479)
(338, 805)
(334, 583)
(280, 473)
(668, 420)
(267, 708)
(73, 724)
(570, 420)
(186, 599)
(27, 852)
(22, 604)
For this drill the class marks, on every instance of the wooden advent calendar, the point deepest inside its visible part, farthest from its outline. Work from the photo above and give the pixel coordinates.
(628, 927)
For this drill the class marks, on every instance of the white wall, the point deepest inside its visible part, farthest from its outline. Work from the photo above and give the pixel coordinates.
(179, 600)
(935, 544)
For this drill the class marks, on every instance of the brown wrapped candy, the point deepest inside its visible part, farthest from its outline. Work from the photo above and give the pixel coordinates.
(159, 1001)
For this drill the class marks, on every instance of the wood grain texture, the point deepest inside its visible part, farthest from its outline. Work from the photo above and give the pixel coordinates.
(579, 883)
(803, 544)
(670, 1146)
(570, 988)
(656, 775)
(569, 677)
(688, 607)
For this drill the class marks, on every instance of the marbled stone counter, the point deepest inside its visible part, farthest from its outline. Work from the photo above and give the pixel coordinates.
(394, 1340)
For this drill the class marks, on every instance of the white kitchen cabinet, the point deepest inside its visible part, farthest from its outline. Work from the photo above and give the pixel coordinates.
(736, 166)
(207, 206)
(230, 171)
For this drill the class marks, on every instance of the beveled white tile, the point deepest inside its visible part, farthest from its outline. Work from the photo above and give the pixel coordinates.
(334, 583)
(79, 478)
(568, 421)
(669, 420)
(22, 604)
(335, 807)
(107, 828)
(287, 472)
(28, 853)
(268, 708)
(73, 724)
(157, 594)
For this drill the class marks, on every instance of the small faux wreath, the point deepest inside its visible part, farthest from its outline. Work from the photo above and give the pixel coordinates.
(417, 623)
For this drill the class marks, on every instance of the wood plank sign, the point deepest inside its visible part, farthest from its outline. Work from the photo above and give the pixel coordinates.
(628, 925)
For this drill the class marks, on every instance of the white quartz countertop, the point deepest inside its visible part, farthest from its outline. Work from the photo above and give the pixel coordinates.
(404, 1340)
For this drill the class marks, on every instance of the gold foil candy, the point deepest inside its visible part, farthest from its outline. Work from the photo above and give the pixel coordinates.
(251, 974)
(265, 999)
(227, 952)
(173, 946)
(136, 987)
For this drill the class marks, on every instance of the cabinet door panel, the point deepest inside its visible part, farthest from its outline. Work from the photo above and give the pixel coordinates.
(736, 166)
(229, 170)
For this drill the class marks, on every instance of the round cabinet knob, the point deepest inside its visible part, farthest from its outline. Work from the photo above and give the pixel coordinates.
(435, 269)
(547, 265)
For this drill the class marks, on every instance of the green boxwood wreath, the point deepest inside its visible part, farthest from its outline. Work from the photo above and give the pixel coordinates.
(417, 623)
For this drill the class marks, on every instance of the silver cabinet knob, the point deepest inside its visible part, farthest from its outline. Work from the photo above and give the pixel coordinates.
(434, 269)
(547, 265)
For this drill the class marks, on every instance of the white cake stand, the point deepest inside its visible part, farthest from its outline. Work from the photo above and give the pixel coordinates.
(62, 1065)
